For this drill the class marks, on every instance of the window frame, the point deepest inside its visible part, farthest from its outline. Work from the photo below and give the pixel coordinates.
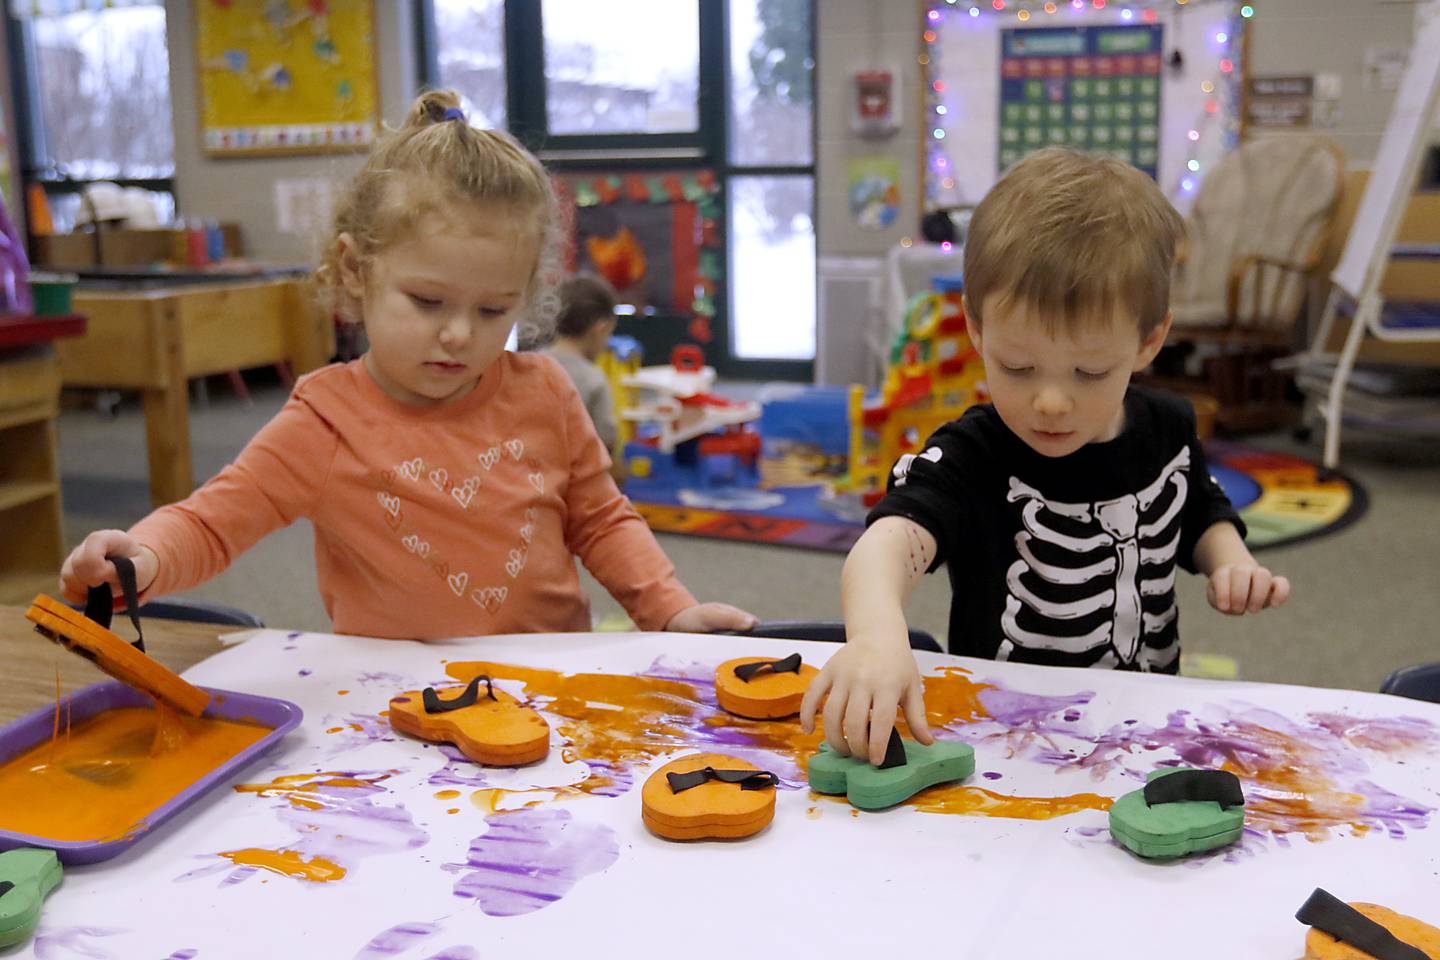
(704, 149)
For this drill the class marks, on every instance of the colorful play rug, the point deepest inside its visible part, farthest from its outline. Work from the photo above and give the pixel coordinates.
(1282, 499)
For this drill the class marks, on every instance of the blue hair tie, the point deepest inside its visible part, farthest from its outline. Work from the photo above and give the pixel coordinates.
(453, 113)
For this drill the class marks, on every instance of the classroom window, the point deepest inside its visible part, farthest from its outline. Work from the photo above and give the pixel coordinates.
(101, 82)
(621, 68)
(771, 195)
(470, 56)
(772, 248)
(609, 96)
(771, 75)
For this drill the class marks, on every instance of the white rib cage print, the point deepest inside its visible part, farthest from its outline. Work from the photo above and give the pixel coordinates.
(1099, 561)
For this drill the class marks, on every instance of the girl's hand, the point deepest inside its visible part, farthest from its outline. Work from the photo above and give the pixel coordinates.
(865, 683)
(710, 618)
(88, 567)
(1239, 588)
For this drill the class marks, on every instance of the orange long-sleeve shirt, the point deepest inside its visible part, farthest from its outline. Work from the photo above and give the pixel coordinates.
(431, 522)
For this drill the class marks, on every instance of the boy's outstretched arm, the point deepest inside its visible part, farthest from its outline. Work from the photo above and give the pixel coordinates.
(875, 672)
(1237, 584)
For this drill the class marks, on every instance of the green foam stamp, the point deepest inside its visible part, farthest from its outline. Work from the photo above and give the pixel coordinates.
(908, 768)
(27, 876)
(1180, 811)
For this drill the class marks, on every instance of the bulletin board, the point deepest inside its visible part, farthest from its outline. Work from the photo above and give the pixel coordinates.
(1092, 88)
(286, 76)
(656, 239)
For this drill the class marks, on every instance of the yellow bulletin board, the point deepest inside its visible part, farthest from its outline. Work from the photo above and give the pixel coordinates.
(286, 76)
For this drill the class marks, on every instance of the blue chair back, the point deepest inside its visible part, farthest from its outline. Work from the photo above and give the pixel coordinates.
(1421, 682)
(830, 631)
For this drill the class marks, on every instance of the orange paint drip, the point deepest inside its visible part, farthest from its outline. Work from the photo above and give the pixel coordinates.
(287, 863)
(101, 782)
(55, 729)
(447, 794)
(979, 802)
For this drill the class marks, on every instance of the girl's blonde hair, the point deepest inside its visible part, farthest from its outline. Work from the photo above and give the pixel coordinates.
(436, 164)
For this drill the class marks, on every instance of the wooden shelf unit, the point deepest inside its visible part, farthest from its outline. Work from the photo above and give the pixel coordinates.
(32, 544)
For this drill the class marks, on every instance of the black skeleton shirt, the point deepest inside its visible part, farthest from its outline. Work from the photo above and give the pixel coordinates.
(1064, 560)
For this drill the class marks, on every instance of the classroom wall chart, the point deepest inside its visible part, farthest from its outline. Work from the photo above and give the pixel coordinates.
(1094, 88)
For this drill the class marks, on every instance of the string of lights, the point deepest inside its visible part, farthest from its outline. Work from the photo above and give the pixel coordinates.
(1219, 117)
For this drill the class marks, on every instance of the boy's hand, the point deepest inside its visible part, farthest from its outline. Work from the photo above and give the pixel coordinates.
(865, 684)
(88, 567)
(1240, 588)
(710, 618)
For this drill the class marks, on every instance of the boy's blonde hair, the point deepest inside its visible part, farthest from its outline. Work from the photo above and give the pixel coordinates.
(436, 164)
(1074, 238)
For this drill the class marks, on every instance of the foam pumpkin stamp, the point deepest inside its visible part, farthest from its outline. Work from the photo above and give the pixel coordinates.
(908, 768)
(27, 875)
(88, 634)
(1363, 931)
(1180, 811)
(762, 689)
(491, 728)
(708, 796)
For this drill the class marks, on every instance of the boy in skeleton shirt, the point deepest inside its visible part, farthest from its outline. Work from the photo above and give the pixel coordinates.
(1062, 508)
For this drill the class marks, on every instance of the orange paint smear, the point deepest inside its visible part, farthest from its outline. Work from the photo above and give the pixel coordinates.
(952, 697)
(302, 789)
(489, 800)
(113, 770)
(623, 721)
(287, 863)
(618, 720)
(447, 794)
(979, 802)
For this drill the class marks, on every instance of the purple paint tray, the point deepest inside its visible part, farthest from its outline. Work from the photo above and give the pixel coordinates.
(35, 728)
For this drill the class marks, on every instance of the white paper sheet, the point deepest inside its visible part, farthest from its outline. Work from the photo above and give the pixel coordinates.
(821, 880)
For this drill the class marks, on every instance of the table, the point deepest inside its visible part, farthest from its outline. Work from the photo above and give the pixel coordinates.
(27, 681)
(155, 338)
(427, 855)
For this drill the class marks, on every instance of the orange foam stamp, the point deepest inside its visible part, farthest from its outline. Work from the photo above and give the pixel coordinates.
(763, 689)
(1363, 931)
(494, 728)
(88, 634)
(708, 795)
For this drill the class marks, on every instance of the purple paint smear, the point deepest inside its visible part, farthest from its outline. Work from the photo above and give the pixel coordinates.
(528, 859)
(347, 827)
(1268, 751)
(372, 729)
(395, 680)
(62, 943)
(397, 940)
(459, 770)
(455, 953)
(189, 953)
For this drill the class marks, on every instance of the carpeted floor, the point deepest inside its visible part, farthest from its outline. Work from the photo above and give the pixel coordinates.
(1365, 598)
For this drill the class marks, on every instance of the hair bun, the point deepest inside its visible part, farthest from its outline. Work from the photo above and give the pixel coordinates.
(433, 106)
